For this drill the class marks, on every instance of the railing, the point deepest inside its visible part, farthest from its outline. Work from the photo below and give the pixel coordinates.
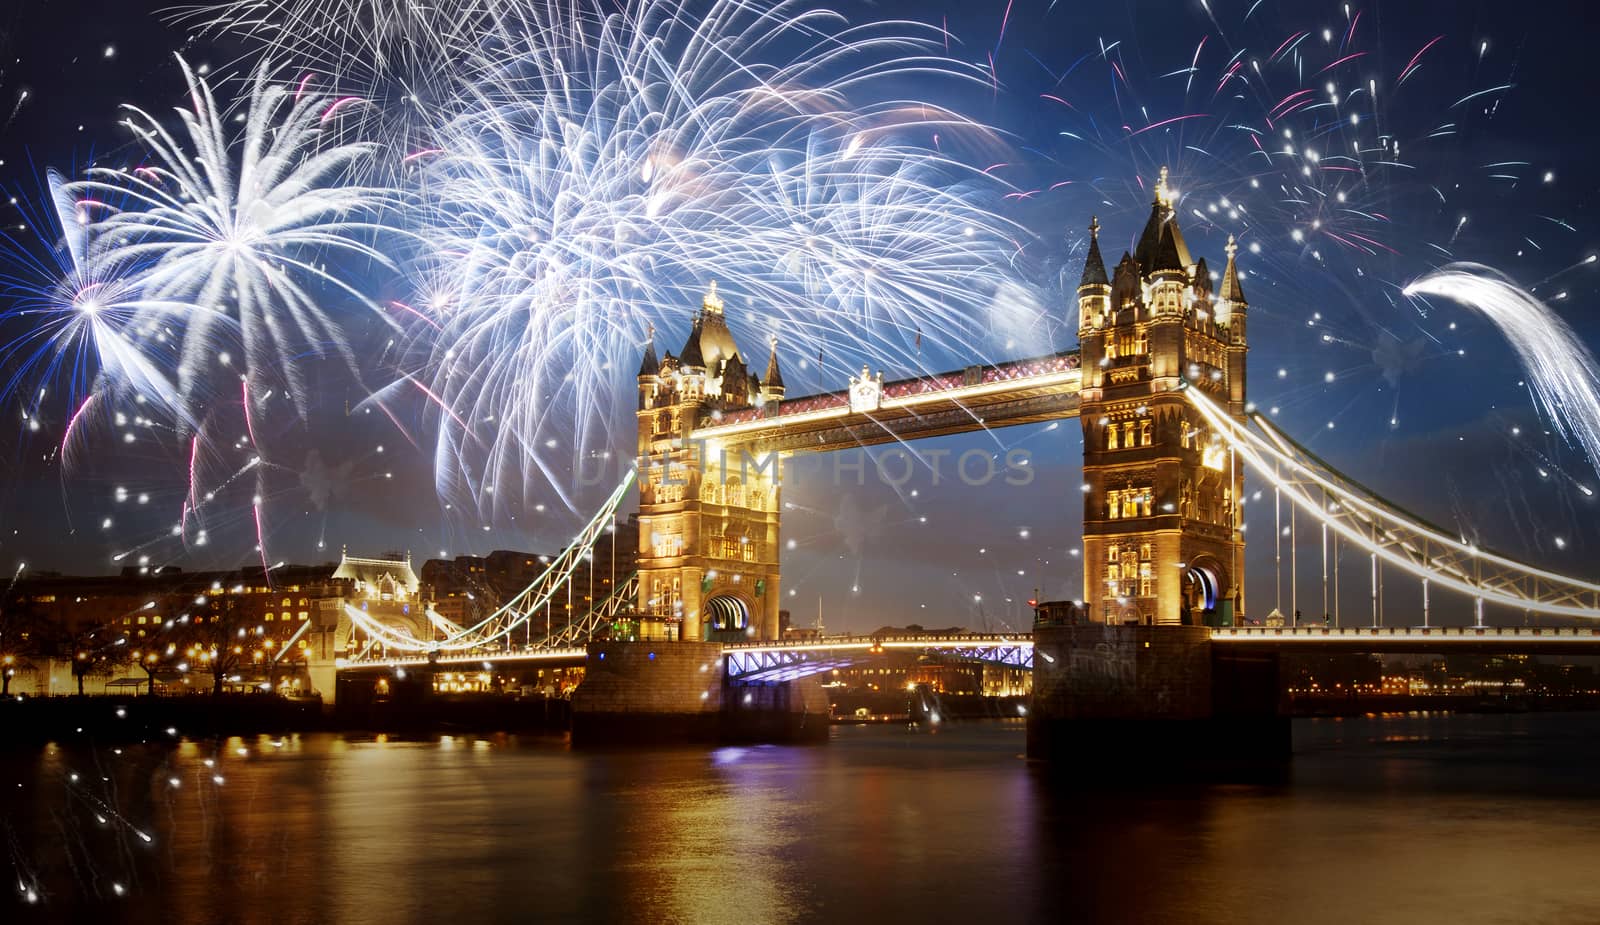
(1403, 634)
(905, 641)
(790, 659)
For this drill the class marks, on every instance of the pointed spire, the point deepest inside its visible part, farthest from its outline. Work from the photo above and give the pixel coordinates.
(1162, 224)
(650, 365)
(1094, 268)
(690, 356)
(1166, 256)
(1230, 277)
(773, 379)
(1150, 238)
(712, 302)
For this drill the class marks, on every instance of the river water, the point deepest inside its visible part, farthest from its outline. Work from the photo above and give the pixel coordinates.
(1380, 819)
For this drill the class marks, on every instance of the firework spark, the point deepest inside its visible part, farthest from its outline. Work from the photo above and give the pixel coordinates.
(1563, 374)
(617, 164)
(242, 232)
(87, 321)
(399, 67)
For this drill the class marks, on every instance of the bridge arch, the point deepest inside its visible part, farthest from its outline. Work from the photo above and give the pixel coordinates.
(728, 616)
(1206, 586)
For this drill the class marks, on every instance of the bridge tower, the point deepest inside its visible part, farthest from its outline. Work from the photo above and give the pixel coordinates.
(708, 515)
(1161, 541)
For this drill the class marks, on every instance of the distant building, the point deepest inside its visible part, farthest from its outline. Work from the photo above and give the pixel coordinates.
(1060, 613)
(382, 597)
(263, 625)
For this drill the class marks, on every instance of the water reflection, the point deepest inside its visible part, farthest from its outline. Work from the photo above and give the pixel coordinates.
(1389, 819)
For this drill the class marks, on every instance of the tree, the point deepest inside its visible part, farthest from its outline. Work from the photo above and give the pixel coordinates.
(93, 650)
(21, 629)
(217, 641)
(150, 662)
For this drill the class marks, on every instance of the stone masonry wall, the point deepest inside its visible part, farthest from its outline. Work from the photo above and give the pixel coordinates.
(1098, 672)
(651, 677)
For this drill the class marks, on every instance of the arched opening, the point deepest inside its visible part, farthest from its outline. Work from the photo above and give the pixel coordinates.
(1205, 594)
(727, 618)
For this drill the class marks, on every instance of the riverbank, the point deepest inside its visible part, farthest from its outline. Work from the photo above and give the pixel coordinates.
(114, 720)
(126, 720)
(1404, 703)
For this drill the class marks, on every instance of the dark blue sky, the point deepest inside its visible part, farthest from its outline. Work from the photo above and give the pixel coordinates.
(1077, 122)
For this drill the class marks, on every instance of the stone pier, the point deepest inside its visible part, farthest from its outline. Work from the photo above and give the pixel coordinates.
(1148, 700)
(672, 692)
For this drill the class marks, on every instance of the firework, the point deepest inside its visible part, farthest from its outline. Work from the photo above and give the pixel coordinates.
(617, 164)
(86, 321)
(1562, 373)
(400, 67)
(242, 232)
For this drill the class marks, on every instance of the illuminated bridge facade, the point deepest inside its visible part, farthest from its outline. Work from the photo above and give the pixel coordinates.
(1158, 384)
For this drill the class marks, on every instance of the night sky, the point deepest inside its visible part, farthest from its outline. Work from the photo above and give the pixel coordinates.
(1422, 399)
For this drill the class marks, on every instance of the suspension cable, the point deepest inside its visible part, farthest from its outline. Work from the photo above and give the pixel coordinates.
(1408, 540)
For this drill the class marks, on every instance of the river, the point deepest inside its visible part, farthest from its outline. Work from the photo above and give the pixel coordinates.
(1380, 819)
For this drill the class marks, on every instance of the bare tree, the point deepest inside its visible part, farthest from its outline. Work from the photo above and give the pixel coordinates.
(21, 637)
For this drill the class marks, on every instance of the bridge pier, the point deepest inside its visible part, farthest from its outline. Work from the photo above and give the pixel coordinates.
(1151, 702)
(638, 693)
(324, 675)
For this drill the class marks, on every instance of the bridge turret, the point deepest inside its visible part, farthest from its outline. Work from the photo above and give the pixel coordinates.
(649, 372)
(772, 383)
(1230, 313)
(708, 511)
(1094, 289)
(1161, 543)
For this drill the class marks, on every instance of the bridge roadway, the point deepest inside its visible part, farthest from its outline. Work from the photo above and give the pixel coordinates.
(785, 660)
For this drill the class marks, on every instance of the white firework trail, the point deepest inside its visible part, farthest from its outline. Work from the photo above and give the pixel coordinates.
(407, 62)
(599, 177)
(1561, 371)
(90, 325)
(243, 231)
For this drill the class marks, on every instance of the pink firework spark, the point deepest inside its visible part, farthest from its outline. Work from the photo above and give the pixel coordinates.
(72, 424)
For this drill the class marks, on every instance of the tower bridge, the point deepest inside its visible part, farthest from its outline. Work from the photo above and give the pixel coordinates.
(1158, 383)
(712, 437)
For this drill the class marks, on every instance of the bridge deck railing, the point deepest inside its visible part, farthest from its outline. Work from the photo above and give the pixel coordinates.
(1488, 633)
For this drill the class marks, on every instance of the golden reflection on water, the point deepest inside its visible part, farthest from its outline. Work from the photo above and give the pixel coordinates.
(1379, 821)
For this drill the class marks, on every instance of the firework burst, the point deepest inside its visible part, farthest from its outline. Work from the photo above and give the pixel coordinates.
(86, 322)
(399, 67)
(243, 232)
(616, 164)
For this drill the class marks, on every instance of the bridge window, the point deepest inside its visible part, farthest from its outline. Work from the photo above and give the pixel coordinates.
(1113, 553)
(666, 597)
(1128, 502)
(1146, 580)
(1144, 552)
(668, 543)
(1128, 434)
